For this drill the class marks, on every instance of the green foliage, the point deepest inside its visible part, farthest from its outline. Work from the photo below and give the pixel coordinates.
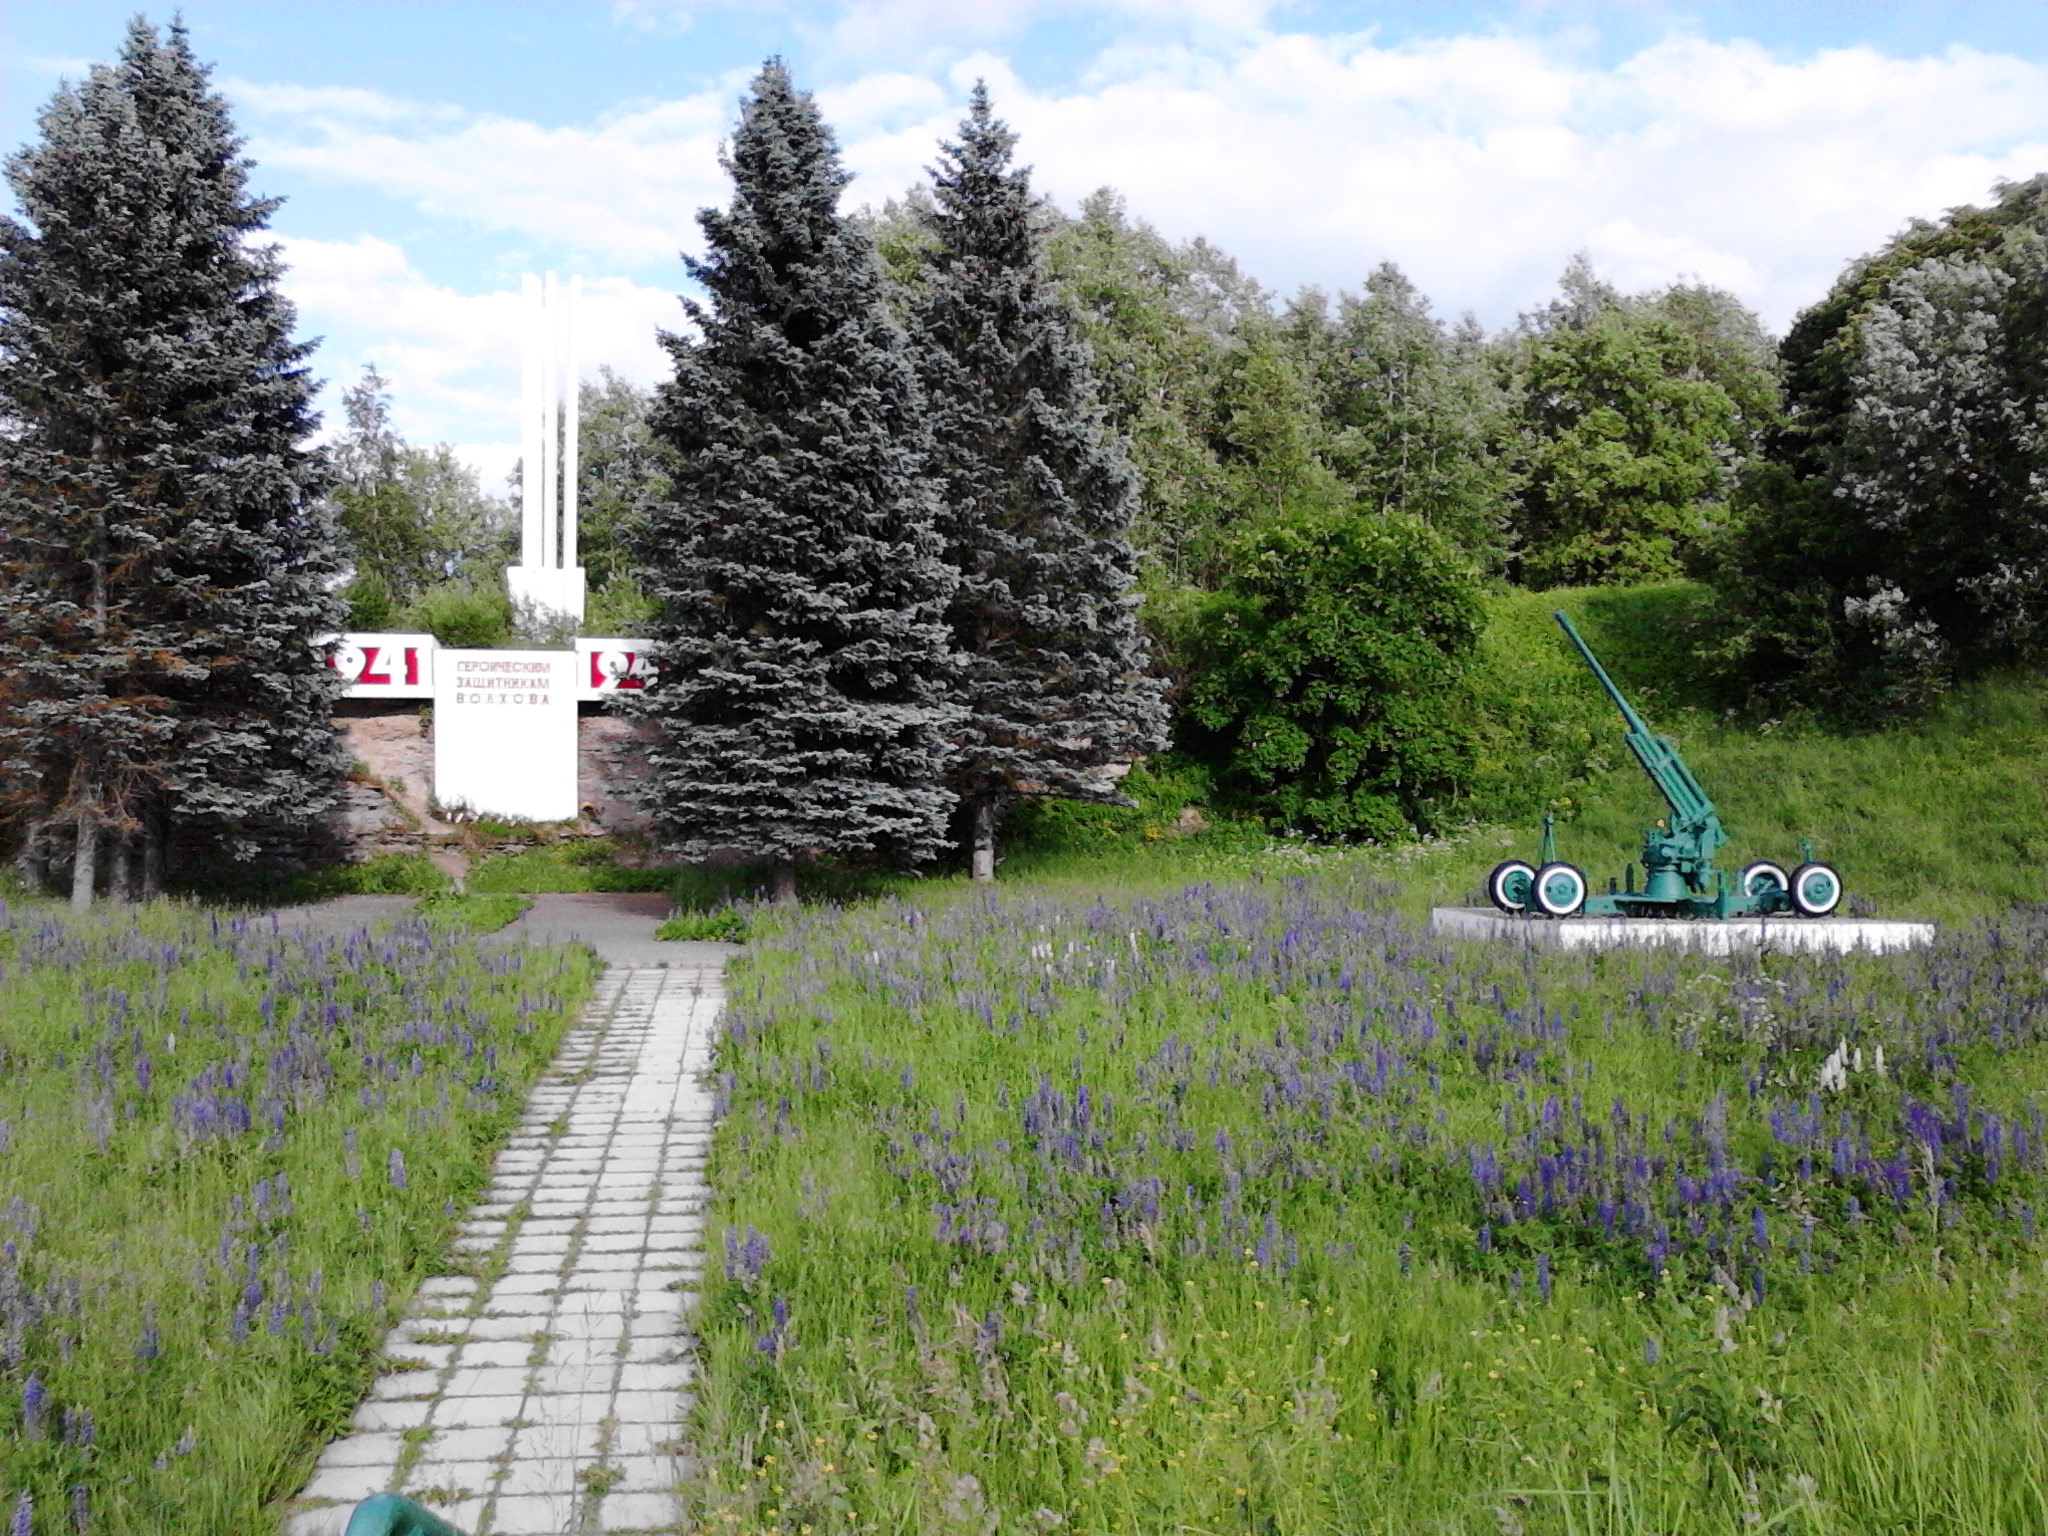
(620, 467)
(1321, 674)
(387, 874)
(472, 912)
(1417, 419)
(414, 518)
(726, 925)
(1038, 499)
(1539, 724)
(1170, 797)
(476, 613)
(585, 864)
(1157, 318)
(165, 562)
(1626, 451)
(1893, 540)
(621, 607)
(804, 705)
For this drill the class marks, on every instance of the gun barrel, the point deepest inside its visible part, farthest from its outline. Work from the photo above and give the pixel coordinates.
(1635, 721)
(1659, 757)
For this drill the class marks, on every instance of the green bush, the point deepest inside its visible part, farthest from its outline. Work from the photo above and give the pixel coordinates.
(462, 613)
(1326, 675)
(727, 925)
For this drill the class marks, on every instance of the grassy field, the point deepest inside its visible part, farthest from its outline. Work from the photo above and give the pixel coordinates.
(226, 1157)
(1184, 1184)
(1250, 1208)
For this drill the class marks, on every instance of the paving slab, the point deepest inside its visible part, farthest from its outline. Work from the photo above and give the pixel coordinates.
(545, 1411)
(619, 925)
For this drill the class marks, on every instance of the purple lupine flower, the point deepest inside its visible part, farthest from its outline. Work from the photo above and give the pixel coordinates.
(1651, 1354)
(35, 1404)
(81, 1509)
(23, 1523)
(1543, 1276)
(397, 1169)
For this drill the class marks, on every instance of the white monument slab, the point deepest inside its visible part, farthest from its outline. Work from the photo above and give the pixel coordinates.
(505, 733)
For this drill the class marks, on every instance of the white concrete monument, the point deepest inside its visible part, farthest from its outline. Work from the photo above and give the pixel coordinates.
(505, 733)
(547, 575)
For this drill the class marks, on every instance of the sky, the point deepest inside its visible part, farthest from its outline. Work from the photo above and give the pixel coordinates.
(432, 151)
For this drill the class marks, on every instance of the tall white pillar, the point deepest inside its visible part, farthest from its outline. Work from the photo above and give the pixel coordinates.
(547, 576)
(572, 423)
(530, 477)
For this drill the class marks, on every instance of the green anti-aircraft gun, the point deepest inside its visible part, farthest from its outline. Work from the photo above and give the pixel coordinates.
(1680, 878)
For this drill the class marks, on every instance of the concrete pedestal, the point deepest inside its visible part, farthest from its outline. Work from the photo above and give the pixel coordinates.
(1875, 935)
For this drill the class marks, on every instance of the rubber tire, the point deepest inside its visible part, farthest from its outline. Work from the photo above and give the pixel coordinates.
(1554, 906)
(1496, 886)
(1763, 867)
(1804, 905)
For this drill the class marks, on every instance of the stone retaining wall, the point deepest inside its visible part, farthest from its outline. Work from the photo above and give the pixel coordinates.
(389, 802)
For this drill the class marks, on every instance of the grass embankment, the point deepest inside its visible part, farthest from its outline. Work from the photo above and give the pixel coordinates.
(1252, 1209)
(226, 1157)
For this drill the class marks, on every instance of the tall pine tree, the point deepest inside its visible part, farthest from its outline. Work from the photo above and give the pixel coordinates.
(165, 558)
(802, 706)
(1039, 500)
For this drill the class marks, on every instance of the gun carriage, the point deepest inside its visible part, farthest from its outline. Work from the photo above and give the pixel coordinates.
(1680, 877)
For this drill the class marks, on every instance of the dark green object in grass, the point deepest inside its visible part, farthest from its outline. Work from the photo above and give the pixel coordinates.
(1680, 878)
(387, 1514)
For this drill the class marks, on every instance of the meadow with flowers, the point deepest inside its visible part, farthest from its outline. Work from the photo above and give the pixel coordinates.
(227, 1154)
(1251, 1207)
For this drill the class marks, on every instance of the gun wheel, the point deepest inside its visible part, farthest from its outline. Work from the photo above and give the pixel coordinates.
(1816, 890)
(1762, 876)
(1560, 889)
(1509, 885)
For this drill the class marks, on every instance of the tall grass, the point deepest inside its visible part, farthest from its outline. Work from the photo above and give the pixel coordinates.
(1251, 1208)
(226, 1156)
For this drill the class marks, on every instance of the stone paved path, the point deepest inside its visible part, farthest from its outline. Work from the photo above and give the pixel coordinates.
(549, 1387)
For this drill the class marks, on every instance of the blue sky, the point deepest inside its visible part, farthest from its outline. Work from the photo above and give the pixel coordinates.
(432, 151)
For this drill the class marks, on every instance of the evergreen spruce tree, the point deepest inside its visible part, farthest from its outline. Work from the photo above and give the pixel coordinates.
(802, 706)
(1039, 500)
(165, 558)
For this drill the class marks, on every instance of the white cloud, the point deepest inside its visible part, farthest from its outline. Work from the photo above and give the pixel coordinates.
(453, 357)
(626, 187)
(1479, 162)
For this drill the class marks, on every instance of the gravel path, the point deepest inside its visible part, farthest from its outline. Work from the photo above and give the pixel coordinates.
(549, 1379)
